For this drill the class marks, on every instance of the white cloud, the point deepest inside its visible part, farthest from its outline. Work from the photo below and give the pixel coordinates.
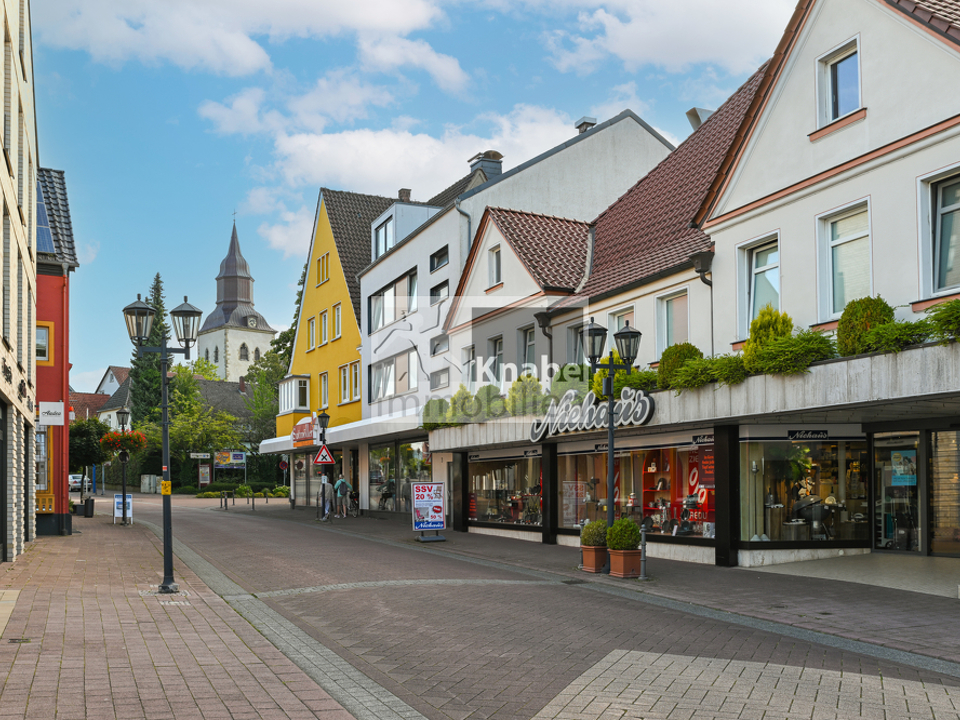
(622, 97)
(241, 115)
(291, 235)
(389, 53)
(674, 35)
(87, 252)
(215, 35)
(340, 96)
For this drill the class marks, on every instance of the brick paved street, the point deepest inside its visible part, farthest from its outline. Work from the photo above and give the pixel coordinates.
(513, 631)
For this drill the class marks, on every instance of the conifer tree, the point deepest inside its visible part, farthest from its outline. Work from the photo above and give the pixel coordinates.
(145, 381)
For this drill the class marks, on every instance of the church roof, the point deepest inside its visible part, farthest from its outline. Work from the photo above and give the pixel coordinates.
(234, 293)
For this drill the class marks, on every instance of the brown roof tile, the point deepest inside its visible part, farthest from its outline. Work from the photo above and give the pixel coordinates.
(647, 231)
(87, 405)
(942, 15)
(351, 215)
(553, 249)
(467, 182)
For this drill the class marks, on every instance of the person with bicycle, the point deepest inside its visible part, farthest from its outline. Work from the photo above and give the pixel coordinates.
(342, 490)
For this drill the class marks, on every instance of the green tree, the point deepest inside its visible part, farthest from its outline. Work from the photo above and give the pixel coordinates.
(264, 377)
(85, 443)
(205, 369)
(145, 380)
(282, 344)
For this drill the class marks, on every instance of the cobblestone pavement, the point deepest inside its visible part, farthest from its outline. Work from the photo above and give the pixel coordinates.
(495, 628)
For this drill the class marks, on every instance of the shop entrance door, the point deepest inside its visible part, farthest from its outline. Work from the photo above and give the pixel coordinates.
(945, 493)
(897, 507)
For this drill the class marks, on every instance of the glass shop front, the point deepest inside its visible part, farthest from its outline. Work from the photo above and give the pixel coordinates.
(506, 487)
(306, 475)
(391, 468)
(801, 485)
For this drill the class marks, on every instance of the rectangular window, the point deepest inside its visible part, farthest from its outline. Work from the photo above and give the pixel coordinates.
(618, 321)
(673, 320)
(337, 321)
(355, 380)
(576, 353)
(324, 390)
(344, 383)
(412, 292)
(440, 258)
(439, 292)
(764, 278)
(413, 374)
(383, 238)
(439, 344)
(393, 302)
(528, 350)
(311, 333)
(43, 344)
(470, 367)
(496, 275)
(496, 367)
(947, 234)
(440, 379)
(382, 379)
(323, 328)
(303, 393)
(323, 268)
(847, 256)
(839, 83)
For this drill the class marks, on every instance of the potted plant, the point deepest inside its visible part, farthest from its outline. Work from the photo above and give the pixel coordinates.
(623, 541)
(593, 546)
(73, 508)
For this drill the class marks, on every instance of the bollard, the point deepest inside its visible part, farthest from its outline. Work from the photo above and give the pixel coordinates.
(253, 497)
(643, 554)
(318, 506)
(233, 497)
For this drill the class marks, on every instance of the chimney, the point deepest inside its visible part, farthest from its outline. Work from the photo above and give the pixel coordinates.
(404, 194)
(243, 386)
(584, 124)
(490, 161)
(698, 116)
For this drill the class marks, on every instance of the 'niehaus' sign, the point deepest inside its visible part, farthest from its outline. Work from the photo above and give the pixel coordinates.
(635, 407)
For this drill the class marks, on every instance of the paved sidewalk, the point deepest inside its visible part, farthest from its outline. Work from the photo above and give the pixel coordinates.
(88, 638)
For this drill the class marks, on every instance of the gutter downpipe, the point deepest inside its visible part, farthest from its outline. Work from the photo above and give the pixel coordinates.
(456, 204)
(58, 507)
(702, 272)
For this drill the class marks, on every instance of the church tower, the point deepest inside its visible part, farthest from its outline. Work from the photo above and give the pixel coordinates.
(234, 335)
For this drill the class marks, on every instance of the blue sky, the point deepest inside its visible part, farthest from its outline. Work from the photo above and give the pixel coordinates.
(169, 115)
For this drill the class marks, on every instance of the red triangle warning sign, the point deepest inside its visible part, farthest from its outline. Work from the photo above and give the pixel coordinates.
(324, 457)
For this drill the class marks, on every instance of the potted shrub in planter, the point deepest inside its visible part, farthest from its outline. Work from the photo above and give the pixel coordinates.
(593, 546)
(623, 541)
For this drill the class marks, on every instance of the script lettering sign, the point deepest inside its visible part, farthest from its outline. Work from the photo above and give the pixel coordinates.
(635, 407)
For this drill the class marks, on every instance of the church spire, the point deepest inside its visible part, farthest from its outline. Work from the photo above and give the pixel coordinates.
(235, 292)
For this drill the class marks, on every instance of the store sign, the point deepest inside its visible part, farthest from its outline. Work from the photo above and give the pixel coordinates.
(473, 456)
(808, 435)
(429, 506)
(531, 453)
(635, 407)
(703, 439)
(302, 434)
(118, 506)
(51, 413)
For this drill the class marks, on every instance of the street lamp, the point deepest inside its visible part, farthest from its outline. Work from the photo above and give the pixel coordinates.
(323, 419)
(628, 346)
(123, 416)
(185, 318)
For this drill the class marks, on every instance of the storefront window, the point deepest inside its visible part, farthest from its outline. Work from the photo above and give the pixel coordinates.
(506, 491)
(41, 453)
(300, 463)
(414, 467)
(945, 492)
(803, 490)
(383, 483)
(895, 475)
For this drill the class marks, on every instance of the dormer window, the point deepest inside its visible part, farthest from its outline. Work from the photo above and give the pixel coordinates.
(383, 237)
(839, 82)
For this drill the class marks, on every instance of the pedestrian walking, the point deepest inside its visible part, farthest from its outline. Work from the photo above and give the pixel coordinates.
(342, 490)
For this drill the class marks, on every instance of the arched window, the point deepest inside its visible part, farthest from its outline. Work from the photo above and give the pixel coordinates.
(256, 354)
(244, 355)
(216, 354)
(206, 354)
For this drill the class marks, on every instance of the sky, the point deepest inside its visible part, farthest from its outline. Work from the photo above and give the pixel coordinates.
(169, 116)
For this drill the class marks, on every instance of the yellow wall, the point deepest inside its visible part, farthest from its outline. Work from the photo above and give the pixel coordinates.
(336, 352)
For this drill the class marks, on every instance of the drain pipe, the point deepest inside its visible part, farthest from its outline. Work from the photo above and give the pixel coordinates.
(456, 204)
(702, 262)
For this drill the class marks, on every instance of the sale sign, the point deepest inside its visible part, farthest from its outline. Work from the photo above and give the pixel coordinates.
(429, 506)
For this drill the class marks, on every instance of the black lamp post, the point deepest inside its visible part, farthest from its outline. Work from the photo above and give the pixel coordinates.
(628, 346)
(186, 324)
(123, 416)
(323, 419)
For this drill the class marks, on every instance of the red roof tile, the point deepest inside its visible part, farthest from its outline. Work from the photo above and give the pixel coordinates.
(554, 250)
(648, 230)
(87, 405)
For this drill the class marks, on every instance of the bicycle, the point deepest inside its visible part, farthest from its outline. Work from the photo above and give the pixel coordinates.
(353, 506)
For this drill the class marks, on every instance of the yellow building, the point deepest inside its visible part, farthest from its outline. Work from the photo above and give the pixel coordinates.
(325, 372)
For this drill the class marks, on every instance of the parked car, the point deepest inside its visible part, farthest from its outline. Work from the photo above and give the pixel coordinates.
(75, 482)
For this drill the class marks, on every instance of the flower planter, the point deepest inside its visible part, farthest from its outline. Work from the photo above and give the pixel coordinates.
(624, 563)
(594, 557)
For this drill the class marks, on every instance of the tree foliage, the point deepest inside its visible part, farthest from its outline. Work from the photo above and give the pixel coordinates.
(264, 377)
(205, 369)
(85, 446)
(145, 380)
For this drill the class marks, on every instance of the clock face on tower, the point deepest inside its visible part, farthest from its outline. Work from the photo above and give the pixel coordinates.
(252, 322)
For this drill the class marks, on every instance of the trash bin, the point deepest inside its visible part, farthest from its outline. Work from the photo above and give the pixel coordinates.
(88, 507)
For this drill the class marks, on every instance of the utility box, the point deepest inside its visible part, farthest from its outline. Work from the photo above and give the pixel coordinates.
(148, 484)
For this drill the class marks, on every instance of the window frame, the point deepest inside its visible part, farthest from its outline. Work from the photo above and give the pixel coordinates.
(435, 258)
(527, 345)
(435, 297)
(303, 394)
(323, 268)
(495, 348)
(337, 321)
(244, 353)
(389, 238)
(436, 383)
(311, 333)
(355, 380)
(436, 341)
(344, 374)
(495, 266)
(938, 211)
(48, 328)
(662, 302)
(745, 279)
(324, 328)
(826, 63)
(469, 364)
(825, 247)
(324, 390)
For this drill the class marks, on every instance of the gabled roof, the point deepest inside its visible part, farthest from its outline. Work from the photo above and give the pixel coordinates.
(225, 395)
(940, 17)
(120, 398)
(648, 231)
(553, 249)
(87, 405)
(351, 215)
(119, 373)
(54, 226)
(467, 182)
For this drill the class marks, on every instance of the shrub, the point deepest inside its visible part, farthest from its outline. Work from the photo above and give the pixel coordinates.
(208, 495)
(281, 491)
(623, 535)
(463, 407)
(694, 373)
(435, 414)
(525, 396)
(793, 354)
(729, 369)
(489, 404)
(596, 382)
(244, 491)
(636, 379)
(185, 490)
(571, 377)
(768, 325)
(671, 360)
(895, 336)
(859, 317)
(945, 320)
(594, 534)
(258, 494)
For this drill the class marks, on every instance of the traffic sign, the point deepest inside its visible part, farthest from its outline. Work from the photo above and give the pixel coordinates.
(324, 457)
(200, 456)
(283, 465)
